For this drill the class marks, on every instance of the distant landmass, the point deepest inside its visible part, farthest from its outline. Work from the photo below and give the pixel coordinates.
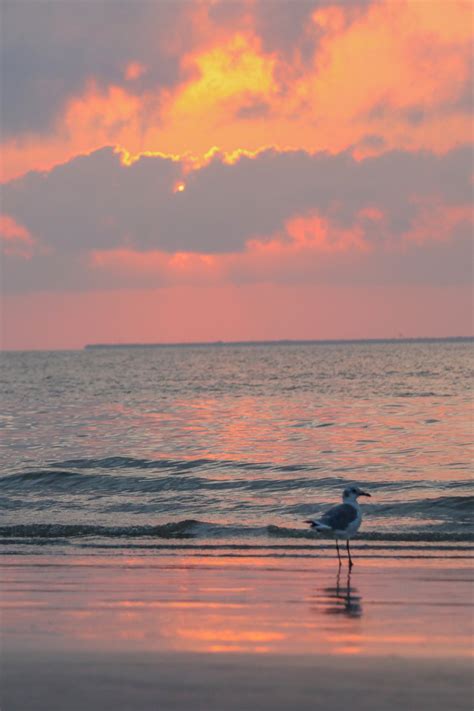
(282, 342)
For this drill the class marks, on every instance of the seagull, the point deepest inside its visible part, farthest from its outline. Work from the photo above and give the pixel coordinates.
(342, 521)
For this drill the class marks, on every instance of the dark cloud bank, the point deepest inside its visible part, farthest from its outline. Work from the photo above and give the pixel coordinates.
(94, 202)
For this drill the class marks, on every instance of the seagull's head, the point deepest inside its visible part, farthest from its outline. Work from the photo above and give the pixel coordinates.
(351, 493)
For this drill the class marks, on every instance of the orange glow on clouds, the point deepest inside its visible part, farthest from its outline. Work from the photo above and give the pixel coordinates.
(436, 221)
(177, 267)
(317, 233)
(16, 239)
(400, 54)
(305, 236)
(134, 70)
(375, 76)
(226, 73)
(299, 249)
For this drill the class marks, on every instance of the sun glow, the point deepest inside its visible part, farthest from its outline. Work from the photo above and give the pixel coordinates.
(234, 92)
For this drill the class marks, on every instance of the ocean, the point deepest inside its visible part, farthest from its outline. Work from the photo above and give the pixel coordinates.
(224, 450)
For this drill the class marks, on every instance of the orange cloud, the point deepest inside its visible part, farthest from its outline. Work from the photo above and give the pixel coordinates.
(174, 268)
(315, 232)
(303, 241)
(17, 240)
(393, 58)
(227, 76)
(309, 246)
(134, 70)
(402, 54)
(436, 221)
(94, 119)
(364, 78)
(394, 72)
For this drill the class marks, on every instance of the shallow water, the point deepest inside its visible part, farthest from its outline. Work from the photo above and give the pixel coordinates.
(225, 450)
(247, 604)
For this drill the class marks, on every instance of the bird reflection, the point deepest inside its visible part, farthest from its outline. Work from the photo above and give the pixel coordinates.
(343, 598)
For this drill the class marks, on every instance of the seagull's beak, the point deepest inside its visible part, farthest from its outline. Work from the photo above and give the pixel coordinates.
(364, 493)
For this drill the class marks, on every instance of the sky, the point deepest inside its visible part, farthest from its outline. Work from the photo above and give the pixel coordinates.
(179, 171)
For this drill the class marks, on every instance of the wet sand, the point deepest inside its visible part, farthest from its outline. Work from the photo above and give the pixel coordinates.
(256, 633)
(232, 682)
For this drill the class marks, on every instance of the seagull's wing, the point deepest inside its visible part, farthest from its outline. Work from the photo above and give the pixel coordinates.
(339, 517)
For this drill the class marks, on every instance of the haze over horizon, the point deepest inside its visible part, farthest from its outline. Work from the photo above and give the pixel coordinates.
(235, 171)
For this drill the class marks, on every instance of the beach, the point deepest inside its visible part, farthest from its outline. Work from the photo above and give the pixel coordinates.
(145, 682)
(260, 632)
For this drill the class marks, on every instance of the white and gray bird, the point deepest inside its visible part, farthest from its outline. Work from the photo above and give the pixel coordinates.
(343, 521)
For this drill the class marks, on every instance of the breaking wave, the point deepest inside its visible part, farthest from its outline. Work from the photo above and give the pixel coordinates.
(201, 530)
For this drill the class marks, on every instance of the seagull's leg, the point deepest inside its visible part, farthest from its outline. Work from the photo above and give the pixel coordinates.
(348, 584)
(349, 554)
(338, 553)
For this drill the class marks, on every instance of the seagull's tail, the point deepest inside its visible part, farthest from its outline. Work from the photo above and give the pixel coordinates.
(318, 525)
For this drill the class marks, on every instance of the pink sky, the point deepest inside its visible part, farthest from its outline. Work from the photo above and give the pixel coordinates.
(236, 171)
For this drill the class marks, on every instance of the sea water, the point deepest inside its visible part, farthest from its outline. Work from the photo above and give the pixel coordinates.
(225, 450)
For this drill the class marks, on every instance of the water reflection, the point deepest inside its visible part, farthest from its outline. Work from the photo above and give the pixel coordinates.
(343, 598)
(241, 604)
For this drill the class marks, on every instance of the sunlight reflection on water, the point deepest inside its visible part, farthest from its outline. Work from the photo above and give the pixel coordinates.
(249, 437)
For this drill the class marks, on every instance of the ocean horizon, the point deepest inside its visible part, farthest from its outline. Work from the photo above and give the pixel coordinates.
(282, 342)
